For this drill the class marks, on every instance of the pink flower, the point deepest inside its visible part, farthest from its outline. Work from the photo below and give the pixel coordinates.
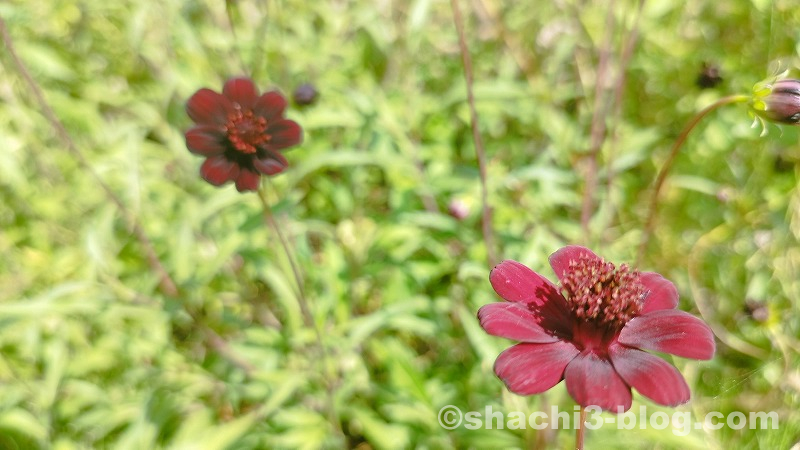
(240, 133)
(592, 331)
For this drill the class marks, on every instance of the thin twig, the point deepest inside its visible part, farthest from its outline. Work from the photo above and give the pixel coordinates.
(486, 228)
(166, 285)
(305, 310)
(662, 174)
(308, 319)
(230, 11)
(619, 89)
(599, 123)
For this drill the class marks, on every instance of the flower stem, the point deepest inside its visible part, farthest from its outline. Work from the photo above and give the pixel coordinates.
(662, 174)
(580, 430)
(486, 220)
(308, 319)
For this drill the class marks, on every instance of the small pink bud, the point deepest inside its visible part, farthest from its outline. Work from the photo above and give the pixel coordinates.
(458, 209)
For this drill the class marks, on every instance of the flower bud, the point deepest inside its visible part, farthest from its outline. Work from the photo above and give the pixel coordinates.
(778, 101)
(305, 94)
(458, 209)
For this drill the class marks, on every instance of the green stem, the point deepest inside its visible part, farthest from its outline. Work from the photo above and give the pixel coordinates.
(662, 174)
(308, 318)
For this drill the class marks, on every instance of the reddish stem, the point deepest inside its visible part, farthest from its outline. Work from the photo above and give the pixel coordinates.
(486, 225)
(662, 174)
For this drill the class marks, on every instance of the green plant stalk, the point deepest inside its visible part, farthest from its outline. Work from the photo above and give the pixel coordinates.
(305, 309)
(662, 174)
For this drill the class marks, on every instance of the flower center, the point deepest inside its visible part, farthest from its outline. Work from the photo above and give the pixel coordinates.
(246, 131)
(600, 293)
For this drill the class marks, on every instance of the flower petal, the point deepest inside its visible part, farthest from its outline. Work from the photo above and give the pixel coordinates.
(207, 107)
(653, 377)
(560, 260)
(529, 369)
(205, 140)
(272, 165)
(671, 331)
(662, 293)
(284, 133)
(515, 282)
(513, 321)
(217, 170)
(242, 91)
(592, 381)
(270, 105)
(247, 180)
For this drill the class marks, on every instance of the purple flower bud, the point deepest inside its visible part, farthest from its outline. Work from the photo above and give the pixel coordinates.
(305, 94)
(781, 103)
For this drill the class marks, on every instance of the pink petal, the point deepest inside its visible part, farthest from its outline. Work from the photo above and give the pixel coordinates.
(515, 282)
(270, 106)
(242, 91)
(207, 107)
(670, 331)
(284, 133)
(560, 260)
(513, 321)
(271, 165)
(529, 369)
(205, 140)
(247, 181)
(592, 381)
(650, 375)
(217, 170)
(662, 293)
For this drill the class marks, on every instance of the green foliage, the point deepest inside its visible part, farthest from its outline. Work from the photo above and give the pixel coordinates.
(94, 355)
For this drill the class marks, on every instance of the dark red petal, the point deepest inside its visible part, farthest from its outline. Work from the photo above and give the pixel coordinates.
(653, 377)
(241, 91)
(560, 260)
(247, 181)
(670, 331)
(217, 170)
(205, 140)
(592, 381)
(515, 282)
(207, 107)
(270, 105)
(271, 165)
(529, 369)
(662, 294)
(284, 133)
(513, 321)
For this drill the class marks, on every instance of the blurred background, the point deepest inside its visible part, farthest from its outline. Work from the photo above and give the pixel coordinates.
(578, 102)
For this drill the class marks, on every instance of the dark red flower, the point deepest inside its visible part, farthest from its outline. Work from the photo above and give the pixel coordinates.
(592, 331)
(240, 133)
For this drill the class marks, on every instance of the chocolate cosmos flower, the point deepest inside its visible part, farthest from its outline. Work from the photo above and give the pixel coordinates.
(592, 331)
(240, 133)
